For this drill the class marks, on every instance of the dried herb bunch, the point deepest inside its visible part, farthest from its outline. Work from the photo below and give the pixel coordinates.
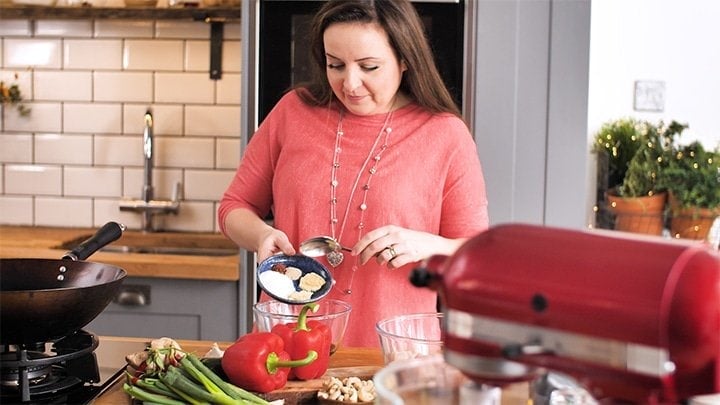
(11, 95)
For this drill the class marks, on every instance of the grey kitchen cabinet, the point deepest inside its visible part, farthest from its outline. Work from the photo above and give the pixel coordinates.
(176, 308)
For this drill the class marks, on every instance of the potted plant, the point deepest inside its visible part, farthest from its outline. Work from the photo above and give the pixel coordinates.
(638, 203)
(692, 178)
(614, 145)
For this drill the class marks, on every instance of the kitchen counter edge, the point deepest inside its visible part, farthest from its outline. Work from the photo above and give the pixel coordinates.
(43, 243)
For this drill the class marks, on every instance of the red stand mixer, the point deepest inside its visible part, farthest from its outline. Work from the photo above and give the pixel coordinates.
(631, 318)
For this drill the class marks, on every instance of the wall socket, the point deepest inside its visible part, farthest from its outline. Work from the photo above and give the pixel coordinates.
(649, 95)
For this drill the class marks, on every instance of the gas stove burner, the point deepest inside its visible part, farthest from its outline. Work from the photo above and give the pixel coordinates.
(47, 372)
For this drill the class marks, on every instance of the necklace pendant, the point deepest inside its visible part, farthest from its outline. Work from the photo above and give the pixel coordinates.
(335, 258)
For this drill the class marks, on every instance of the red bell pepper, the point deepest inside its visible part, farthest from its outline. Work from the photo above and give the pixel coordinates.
(258, 362)
(303, 336)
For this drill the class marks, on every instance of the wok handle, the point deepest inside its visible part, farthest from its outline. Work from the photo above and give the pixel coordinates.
(109, 233)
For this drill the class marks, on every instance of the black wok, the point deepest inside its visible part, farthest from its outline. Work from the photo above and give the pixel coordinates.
(42, 300)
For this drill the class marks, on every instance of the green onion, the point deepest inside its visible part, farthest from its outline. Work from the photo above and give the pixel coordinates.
(229, 389)
(139, 393)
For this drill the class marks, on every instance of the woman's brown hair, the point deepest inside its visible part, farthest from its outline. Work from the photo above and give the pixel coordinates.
(421, 81)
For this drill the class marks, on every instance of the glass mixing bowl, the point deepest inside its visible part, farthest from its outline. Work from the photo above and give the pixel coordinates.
(410, 336)
(430, 380)
(333, 313)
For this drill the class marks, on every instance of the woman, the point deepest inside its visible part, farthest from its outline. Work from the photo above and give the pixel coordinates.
(373, 153)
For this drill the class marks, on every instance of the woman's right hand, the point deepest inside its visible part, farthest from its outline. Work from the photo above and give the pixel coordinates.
(272, 242)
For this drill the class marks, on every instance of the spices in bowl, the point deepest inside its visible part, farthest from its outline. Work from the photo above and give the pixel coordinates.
(294, 279)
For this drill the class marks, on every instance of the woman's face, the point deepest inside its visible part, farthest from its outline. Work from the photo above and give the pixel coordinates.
(362, 68)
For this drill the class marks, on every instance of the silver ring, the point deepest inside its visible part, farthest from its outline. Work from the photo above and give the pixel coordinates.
(392, 251)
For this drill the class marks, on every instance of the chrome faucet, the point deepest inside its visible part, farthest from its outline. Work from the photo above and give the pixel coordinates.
(147, 205)
(147, 190)
(148, 143)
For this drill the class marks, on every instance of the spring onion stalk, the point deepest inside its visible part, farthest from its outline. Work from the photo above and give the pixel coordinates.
(142, 395)
(176, 380)
(229, 389)
(209, 385)
(155, 386)
(188, 399)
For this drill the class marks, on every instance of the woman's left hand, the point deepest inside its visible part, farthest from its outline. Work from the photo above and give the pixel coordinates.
(395, 247)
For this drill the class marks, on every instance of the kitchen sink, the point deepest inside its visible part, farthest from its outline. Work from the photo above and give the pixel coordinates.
(167, 243)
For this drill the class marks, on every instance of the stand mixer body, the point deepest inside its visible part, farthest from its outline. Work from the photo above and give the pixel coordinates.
(631, 318)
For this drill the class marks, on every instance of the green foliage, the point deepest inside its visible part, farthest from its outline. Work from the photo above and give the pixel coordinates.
(651, 158)
(618, 141)
(693, 176)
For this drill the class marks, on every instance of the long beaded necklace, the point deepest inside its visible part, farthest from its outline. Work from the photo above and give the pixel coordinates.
(336, 257)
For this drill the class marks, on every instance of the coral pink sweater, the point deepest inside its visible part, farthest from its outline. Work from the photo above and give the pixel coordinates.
(429, 179)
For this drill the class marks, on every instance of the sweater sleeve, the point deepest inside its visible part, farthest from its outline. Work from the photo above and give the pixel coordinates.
(251, 187)
(464, 211)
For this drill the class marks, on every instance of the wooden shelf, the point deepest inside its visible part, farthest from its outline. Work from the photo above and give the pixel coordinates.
(209, 14)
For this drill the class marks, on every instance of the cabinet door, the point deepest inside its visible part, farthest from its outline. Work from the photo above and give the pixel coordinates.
(181, 309)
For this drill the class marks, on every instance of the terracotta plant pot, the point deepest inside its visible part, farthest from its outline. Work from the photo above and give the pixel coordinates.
(638, 214)
(691, 222)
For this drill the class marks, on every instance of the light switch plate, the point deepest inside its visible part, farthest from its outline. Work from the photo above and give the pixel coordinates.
(649, 95)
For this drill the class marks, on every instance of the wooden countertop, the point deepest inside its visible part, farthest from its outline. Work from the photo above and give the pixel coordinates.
(516, 394)
(45, 243)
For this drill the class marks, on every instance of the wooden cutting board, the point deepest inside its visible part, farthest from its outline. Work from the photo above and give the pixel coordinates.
(305, 392)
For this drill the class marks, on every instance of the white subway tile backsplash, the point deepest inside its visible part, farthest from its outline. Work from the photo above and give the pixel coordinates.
(232, 56)
(88, 84)
(212, 120)
(163, 182)
(163, 55)
(192, 217)
(63, 149)
(182, 29)
(16, 148)
(33, 179)
(63, 28)
(229, 88)
(207, 184)
(123, 86)
(184, 88)
(167, 119)
(185, 152)
(16, 210)
(37, 53)
(44, 117)
(63, 85)
(227, 155)
(92, 181)
(92, 118)
(92, 54)
(197, 56)
(232, 31)
(105, 210)
(118, 150)
(124, 28)
(15, 28)
(63, 212)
